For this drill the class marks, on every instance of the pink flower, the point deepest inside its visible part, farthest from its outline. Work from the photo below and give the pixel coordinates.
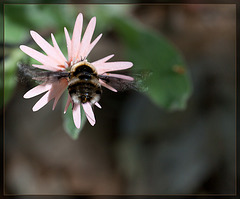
(54, 60)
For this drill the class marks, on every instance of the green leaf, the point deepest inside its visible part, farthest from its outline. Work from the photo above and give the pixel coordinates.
(14, 33)
(69, 125)
(20, 19)
(104, 14)
(169, 86)
(10, 70)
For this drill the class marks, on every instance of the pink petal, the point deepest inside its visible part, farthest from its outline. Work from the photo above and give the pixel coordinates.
(69, 47)
(46, 47)
(76, 115)
(45, 67)
(91, 46)
(45, 60)
(120, 76)
(60, 89)
(98, 105)
(55, 92)
(87, 37)
(107, 86)
(77, 31)
(89, 113)
(37, 90)
(69, 100)
(113, 66)
(58, 49)
(101, 61)
(42, 102)
(56, 99)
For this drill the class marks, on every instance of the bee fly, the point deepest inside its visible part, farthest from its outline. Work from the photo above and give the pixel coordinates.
(83, 83)
(83, 80)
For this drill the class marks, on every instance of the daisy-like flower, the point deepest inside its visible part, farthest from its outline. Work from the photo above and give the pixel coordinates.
(54, 60)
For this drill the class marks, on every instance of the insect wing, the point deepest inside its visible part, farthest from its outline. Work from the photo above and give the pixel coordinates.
(138, 83)
(40, 75)
(119, 83)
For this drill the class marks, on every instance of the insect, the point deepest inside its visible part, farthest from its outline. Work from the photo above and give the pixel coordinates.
(83, 80)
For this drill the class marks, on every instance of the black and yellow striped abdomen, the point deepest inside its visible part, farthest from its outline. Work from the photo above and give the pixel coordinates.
(83, 85)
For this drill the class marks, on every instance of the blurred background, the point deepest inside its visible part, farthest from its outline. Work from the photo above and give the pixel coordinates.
(178, 137)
